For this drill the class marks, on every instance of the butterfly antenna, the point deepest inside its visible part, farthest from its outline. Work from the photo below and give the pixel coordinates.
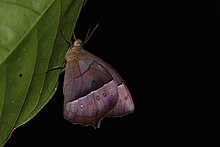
(66, 39)
(90, 34)
(87, 34)
(74, 36)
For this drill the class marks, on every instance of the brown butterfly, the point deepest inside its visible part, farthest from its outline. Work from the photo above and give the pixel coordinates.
(92, 88)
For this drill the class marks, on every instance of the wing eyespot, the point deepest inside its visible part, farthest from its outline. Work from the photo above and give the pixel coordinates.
(104, 94)
(97, 97)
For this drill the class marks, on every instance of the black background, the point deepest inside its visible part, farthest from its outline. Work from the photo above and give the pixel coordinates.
(168, 54)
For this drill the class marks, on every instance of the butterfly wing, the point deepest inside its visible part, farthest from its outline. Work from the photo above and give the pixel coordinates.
(125, 103)
(93, 90)
(89, 90)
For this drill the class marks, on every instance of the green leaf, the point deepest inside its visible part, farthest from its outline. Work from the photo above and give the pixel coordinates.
(18, 79)
(30, 44)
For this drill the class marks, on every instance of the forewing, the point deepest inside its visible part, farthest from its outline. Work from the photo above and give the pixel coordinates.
(125, 103)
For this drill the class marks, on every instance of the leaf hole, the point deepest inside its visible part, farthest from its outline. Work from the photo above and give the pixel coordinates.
(20, 75)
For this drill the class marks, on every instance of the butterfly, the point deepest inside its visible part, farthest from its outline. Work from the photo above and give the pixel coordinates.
(92, 88)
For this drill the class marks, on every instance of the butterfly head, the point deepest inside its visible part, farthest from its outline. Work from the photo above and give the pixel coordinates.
(78, 43)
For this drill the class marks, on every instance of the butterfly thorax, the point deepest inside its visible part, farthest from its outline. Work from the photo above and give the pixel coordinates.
(74, 50)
